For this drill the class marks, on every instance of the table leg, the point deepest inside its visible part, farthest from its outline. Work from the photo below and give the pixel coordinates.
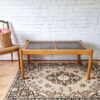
(78, 58)
(19, 59)
(21, 64)
(28, 57)
(89, 67)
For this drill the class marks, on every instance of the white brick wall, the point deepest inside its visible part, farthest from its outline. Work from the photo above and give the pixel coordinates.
(53, 20)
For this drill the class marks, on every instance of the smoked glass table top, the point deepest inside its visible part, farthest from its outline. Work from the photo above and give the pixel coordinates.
(68, 45)
(40, 45)
(54, 45)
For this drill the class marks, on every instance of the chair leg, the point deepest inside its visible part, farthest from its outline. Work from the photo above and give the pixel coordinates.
(12, 56)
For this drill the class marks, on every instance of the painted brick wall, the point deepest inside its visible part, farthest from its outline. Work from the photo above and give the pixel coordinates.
(53, 20)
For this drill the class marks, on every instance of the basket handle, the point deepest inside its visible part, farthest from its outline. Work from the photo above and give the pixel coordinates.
(5, 22)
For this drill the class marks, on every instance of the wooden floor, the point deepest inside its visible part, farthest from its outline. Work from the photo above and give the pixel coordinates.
(8, 71)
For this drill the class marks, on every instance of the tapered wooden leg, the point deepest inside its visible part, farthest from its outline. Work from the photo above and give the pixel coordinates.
(19, 59)
(12, 56)
(89, 67)
(28, 57)
(21, 64)
(79, 58)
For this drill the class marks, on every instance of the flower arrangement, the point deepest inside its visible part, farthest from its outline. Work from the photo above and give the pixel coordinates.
(3, 31)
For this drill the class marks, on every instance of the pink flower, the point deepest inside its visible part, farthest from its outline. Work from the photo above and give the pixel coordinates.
(8, 30)
(0, 30)
(5, 30)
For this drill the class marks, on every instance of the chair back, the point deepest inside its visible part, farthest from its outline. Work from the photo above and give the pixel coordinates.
(4, 22)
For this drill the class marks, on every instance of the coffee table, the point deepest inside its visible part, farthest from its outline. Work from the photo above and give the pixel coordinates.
(56, 48)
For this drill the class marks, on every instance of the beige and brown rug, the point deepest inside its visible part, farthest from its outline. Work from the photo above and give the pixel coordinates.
(61, 81)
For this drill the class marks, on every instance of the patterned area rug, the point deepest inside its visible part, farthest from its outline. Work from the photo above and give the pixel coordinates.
(60, 81)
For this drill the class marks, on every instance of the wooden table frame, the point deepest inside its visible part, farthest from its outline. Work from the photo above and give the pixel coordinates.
(56, 51)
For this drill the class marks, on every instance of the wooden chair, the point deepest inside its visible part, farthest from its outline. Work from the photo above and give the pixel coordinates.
(12, 48)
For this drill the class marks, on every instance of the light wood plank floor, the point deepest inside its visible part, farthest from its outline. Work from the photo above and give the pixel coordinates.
(8, 71)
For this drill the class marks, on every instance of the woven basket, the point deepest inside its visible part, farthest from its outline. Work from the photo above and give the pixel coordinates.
(5, 40)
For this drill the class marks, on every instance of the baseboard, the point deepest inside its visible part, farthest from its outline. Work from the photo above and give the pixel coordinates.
(55, 60)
